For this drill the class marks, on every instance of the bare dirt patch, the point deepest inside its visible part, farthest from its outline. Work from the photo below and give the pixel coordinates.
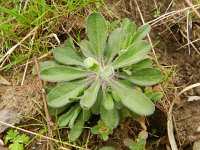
(16, 100)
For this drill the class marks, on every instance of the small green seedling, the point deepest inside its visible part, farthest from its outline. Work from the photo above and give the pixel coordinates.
(154, 96)
(101, 129)
(105, 75)
(16, 140)
(139, 143)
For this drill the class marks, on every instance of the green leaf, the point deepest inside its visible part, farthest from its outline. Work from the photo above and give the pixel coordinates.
(143, 64)
(78, 126)
(16, 140)
(60, 95)
(125, 24)
(67, 56)
(57, 74)
(114, 43)
(112, 25)
(87, 49)
(97, 32)
(132, 99)
(142, 32)
(118, 105)
(107, 148)
(45, 65)
(90, 95)
(131, 28)
(95, 109)
(16, 146)
(115, 96)
(76, 130)
(144, 77)
(74, 117)
(110, 117)
(127, 41)
(107, 72)
(23, 138)
(157, 96)
(64, 119)
(57, 111)
(95, 129)
(128, 26)
(86, 115)
(108, 102)
(69, 43)
(11, 135)
(123, 113)
(92, 64)
(134, 54)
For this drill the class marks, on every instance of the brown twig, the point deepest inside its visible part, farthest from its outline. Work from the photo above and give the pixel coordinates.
(24, 75)
(149, 39)
(172, 13)
(193, 8)
(170, 128)
(48, 118)
(15, 46)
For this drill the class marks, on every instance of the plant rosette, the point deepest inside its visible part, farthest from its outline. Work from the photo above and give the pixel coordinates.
(105, 75)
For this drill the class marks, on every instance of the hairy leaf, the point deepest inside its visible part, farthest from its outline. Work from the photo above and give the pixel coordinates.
(134, 53)
(114, 44)
(132, 99)
(64, 73)
(107, 148)
(107, 72)
(60, 95)
(156, 96)
(144, 77)
(67, 56)
(97, 32)
(87, 49)
(141, 33)
(143, 64)
(45, 65)
(127, 41)
(76, 129)
(86, 115)
(92, 64)
(64, 119)
(108, 101)
(90, 95)
(69, 43)
(110, 117)
(96, 107)
(74, 117)
(131, 28)
(57, 111)
(124, 26)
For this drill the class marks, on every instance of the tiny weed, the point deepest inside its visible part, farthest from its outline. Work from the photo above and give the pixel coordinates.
(16, 140)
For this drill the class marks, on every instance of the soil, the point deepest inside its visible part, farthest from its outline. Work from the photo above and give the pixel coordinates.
(183, 63)
(17, 100)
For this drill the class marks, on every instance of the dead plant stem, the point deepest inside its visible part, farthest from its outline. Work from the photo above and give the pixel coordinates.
(48, 118)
